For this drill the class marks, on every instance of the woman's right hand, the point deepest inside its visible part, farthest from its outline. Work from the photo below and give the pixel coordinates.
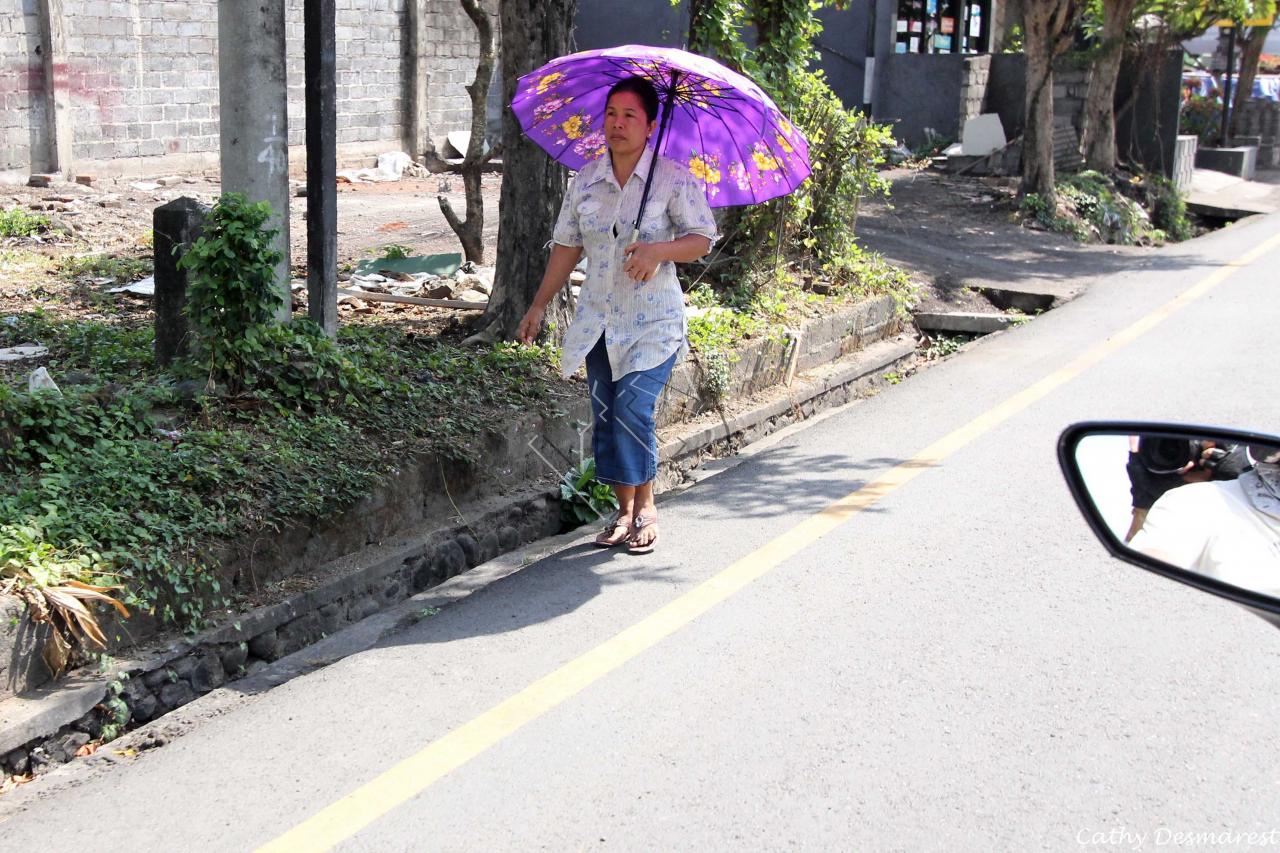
(530, 326)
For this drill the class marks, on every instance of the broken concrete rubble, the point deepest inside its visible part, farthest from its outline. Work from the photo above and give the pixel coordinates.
(23, 352)
(983, 135)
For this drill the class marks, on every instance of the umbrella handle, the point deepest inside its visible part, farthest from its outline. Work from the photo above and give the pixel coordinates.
(657, 148)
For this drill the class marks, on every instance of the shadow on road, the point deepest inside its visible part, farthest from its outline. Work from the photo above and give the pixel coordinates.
(763, 487)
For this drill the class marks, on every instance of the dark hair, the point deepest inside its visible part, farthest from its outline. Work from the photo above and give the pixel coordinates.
(642, 89)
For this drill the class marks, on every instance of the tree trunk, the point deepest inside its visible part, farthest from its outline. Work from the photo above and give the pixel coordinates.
(470, 231)
(532, 33)
(1250, 48)
(1047, 27)
(1099, 136)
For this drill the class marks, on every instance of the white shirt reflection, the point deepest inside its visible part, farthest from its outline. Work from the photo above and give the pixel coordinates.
(1224, 529)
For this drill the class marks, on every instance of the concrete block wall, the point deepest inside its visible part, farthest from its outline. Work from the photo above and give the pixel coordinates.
(1070, 88)
(973, 87)
(1257, 117)
(21, 108)
(453, 49)
(142, 79)
(372, 40)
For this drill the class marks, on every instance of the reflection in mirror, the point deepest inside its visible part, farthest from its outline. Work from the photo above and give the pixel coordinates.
(1195, 502)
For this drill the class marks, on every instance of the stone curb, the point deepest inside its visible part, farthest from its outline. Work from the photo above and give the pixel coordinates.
(273, 644)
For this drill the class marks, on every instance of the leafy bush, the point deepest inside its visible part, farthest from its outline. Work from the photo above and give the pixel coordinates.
(818, 220)
(16, 222)
(232, 303)
(712, 335)
(232, 294)
(1094, 207)
(1168, 207)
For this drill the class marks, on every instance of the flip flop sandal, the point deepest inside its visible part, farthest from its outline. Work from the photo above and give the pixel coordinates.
(609, 527)
(637, 524)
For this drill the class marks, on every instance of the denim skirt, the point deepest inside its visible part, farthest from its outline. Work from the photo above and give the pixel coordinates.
(624, 437)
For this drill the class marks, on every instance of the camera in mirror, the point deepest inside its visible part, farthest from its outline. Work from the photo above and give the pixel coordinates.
(1203, 502)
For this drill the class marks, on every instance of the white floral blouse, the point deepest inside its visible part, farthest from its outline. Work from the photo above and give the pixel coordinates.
(643, 323)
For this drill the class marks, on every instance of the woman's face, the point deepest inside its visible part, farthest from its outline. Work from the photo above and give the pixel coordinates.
(626, 126)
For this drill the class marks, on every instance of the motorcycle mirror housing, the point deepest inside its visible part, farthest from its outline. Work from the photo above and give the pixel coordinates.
(1197, 504)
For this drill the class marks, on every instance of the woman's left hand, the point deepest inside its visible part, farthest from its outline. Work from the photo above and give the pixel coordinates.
(642, 260)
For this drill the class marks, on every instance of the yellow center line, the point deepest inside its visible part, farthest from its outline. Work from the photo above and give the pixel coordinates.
(405, 780)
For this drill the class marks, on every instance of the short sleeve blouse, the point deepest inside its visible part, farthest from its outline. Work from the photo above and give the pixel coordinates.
(643, 323)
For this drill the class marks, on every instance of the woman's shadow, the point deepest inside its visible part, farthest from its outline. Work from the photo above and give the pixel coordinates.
(554, 586)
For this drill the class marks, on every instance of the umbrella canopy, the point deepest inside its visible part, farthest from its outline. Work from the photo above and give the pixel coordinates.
(719, 124)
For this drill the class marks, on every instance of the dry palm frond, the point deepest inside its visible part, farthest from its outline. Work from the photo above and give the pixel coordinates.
(38, 573)
(63, 608)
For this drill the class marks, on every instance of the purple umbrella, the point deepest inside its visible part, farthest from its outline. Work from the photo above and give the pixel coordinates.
(723, 127)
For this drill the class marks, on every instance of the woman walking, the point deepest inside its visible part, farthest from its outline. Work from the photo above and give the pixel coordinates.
(629, 327)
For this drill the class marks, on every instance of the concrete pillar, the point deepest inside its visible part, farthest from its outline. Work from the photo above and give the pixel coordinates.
(254, 115)
(175, 226)
(417, 130)
(57, 97)
(882, 37)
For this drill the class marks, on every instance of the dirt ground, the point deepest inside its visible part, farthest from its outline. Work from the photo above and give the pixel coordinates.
(956, 235)
(960, 239)
(113, 218)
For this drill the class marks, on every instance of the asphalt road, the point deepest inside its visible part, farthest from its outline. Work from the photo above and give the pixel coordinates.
(956, 665)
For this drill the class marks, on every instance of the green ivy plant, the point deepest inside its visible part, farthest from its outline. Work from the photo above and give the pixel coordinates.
(232, 295)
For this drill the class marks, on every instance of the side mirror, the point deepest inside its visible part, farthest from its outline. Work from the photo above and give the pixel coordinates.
(1196, 504)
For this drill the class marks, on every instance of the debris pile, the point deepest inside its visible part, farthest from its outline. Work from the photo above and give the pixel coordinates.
(438, 281)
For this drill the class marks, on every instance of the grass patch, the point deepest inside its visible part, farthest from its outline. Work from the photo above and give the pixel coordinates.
(122, 270)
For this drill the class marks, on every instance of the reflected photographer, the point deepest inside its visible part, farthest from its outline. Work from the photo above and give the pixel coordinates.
(1158, 464)
(1226, 529)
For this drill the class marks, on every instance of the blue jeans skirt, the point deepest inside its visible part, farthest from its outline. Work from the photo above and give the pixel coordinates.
(624, 437)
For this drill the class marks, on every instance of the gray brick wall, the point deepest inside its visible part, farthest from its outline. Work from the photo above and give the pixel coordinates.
(143, 76)
(20, 108)
(454, 50)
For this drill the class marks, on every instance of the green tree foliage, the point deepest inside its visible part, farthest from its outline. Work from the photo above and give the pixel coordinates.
(715, 28)
(815, 224)
(1187, 19)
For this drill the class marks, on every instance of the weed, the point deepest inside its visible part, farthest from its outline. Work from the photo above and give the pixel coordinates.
(940, 346)
(394, 252)
(1092, 207)
(16, 222)
(583, 498)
